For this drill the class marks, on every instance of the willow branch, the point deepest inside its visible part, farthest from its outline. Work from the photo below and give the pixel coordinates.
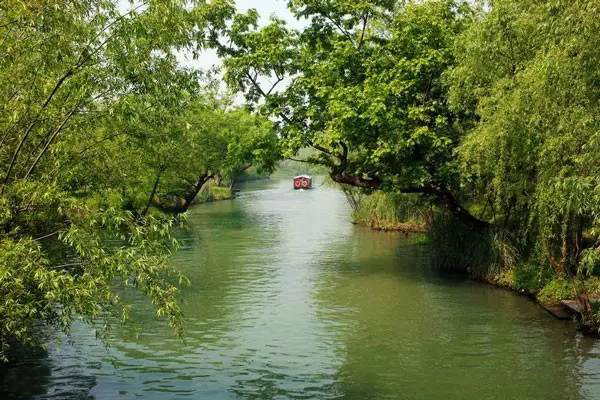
(54, 135)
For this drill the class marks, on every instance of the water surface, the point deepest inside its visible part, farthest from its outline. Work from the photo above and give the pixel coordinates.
(290, 301)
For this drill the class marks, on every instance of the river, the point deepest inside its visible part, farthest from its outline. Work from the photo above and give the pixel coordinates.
(289, 300)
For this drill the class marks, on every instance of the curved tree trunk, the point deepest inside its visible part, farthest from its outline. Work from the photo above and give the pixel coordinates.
(181, 204)
(152, 194)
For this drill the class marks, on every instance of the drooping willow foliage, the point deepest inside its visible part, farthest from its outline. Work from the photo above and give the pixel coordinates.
(100, 128)
(528, 71)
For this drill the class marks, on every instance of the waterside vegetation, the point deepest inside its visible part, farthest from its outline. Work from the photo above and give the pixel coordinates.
(488, 112)
(479, 120)
(388, 211)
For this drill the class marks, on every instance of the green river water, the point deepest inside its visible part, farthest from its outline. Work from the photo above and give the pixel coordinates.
(289, 300)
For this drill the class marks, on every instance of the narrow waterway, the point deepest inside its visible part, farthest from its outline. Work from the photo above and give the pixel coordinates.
(290, 301)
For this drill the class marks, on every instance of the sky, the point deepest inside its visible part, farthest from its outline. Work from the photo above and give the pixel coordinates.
(265, 8)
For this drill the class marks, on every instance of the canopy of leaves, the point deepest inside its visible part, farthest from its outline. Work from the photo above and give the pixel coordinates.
(363, 86)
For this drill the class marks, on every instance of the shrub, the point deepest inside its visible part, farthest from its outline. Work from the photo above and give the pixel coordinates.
(529, 277)
(556, 290)
(385, 210)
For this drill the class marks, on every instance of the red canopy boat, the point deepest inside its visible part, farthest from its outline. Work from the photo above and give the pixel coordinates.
(302, 182)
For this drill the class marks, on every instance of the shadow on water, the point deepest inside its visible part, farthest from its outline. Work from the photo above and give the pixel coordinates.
(33, 374)
(290, 301)
(467, 340)
(27, 376)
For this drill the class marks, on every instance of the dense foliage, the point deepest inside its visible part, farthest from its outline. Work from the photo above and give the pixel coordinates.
(529, 71)
(486, 113)
(100, 127)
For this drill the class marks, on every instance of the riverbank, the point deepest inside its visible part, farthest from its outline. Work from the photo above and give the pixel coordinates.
(214, 192)
(387, 212)
(488, 258)
(563, 298)
(387, 226)
(493, 261)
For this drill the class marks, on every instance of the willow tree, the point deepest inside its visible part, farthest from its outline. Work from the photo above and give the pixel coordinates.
(75, 78)
(528, 72)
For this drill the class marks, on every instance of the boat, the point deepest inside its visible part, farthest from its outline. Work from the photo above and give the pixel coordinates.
(302, 182)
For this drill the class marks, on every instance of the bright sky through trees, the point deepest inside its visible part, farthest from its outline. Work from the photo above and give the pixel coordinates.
(266, 9)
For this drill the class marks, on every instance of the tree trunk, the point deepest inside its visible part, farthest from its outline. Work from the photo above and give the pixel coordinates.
(152, 194)
(457, 209)
(182, 204)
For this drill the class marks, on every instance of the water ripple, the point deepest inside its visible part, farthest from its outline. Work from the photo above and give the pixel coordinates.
(290, 301)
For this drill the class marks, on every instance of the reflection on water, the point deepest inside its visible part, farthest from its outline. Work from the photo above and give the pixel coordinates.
(289, 300)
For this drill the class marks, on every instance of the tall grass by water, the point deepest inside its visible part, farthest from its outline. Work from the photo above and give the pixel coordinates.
(388, 211)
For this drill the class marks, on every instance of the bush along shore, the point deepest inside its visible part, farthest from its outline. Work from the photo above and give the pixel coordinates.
(215, 192)
(387, 211)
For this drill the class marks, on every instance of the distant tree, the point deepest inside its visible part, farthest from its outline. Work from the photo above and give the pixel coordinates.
(215, 141)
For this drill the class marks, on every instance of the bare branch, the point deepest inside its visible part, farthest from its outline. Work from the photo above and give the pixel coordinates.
(309, 161)
(365, 20)
(274, 85)
(75, 264)
(256, 85)
(46, 236)
(345, 32)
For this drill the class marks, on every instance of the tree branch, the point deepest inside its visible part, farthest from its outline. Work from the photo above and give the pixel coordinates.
(274, 85)
(154, 188)
(441, 193)
(345, 32)
(256, 85)
(364, 28)
(50, 140)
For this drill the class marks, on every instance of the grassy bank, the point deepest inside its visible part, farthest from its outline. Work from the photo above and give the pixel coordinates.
(216, 193)
(213, 192)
